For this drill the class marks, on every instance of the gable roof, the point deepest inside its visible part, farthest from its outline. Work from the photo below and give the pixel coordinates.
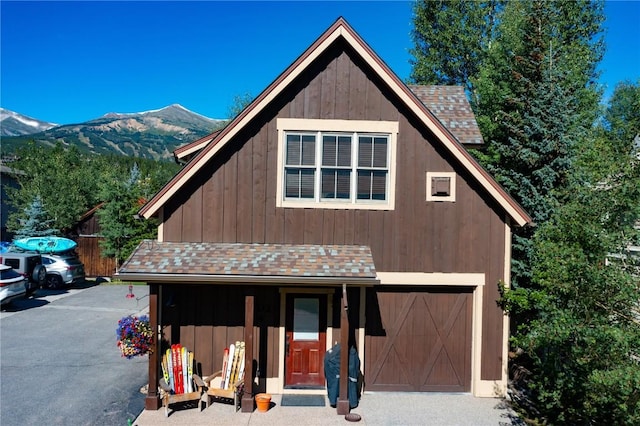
(339, 30)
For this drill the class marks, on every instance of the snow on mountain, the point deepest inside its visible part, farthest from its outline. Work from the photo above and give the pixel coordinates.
(15, 124)
(151, 134)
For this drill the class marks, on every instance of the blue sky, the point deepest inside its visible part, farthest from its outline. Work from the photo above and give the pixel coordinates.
(69, 62)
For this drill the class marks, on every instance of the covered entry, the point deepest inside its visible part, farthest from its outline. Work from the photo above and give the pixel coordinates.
(206, 295)
(419, 340)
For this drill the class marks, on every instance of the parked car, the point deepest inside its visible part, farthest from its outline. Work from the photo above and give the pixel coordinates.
(12, 284)
(62, 269)
(29, 265)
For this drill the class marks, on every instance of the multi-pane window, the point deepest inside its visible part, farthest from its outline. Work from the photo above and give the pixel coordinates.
(300, 166)
(336, 167)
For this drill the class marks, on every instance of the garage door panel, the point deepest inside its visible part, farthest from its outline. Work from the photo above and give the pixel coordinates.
(425, 343)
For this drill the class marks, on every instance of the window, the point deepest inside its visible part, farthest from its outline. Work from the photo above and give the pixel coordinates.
(336, 163)
(441, 186)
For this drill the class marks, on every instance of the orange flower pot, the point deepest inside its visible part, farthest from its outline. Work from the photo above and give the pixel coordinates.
(263, 401)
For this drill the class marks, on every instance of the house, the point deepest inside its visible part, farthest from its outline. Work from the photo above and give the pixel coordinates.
(336, 207)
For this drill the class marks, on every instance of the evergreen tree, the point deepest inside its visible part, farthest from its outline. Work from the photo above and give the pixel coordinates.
(36, 223)
(121, 228)
(537, 104)
(583, 341)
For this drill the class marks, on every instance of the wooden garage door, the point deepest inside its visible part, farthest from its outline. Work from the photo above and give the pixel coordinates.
(418, 341)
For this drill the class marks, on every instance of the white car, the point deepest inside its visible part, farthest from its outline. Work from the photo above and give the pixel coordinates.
(62, 270)
(12, 284)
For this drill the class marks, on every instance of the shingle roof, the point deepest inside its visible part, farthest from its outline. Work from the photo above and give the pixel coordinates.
(451, 107)
(260, 260)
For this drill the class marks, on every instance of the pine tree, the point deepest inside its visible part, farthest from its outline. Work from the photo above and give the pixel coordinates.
(584, 340)
(37, 222)
(537, 104)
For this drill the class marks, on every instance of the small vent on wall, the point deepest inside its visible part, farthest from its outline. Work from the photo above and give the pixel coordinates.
(441, 186)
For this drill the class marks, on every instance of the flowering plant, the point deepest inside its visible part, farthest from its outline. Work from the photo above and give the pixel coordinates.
(135, 336)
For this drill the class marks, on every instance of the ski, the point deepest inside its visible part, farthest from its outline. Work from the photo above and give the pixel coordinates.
(225, 384)
(234, 367)
(225, 361)
(190, 372)
(165, 367)
(177, 370)
(241, 370)
(185, 370)
(180, 376)
(173, 367)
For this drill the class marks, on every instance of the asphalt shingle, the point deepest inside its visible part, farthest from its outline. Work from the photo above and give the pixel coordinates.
(450, 105)
(340, 261)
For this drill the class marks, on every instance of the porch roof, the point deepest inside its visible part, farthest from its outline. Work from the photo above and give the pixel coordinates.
(169, 262)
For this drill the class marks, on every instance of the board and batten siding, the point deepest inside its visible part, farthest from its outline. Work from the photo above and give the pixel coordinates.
(207, 319)
(233, 198)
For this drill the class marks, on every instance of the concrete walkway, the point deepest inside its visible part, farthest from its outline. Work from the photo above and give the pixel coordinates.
(376, 408)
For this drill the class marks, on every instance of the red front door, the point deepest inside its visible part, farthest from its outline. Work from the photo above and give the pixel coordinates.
(305, 342)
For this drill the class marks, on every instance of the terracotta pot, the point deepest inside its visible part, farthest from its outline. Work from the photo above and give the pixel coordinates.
(263, 401)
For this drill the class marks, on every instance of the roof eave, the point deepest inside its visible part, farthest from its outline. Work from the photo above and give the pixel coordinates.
(244, 279)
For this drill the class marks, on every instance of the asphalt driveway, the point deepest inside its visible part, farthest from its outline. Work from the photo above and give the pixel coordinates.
(59, 361)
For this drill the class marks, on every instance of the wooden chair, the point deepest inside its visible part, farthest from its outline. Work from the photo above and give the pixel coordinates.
(214, 388)
(170, 398)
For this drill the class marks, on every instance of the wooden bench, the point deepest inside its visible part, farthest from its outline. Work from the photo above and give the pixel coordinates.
(217, 386)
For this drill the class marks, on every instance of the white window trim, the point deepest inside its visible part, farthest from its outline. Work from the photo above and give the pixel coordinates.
(347, 126)
(452, 180)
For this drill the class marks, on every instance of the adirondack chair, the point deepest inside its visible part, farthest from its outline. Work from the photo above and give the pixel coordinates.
(226, 385)
(191, 392)
(170, 398)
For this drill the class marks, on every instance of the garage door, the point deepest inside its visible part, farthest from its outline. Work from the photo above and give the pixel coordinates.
(418, 341)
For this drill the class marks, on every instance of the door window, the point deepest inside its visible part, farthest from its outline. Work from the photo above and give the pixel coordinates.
(306, 320)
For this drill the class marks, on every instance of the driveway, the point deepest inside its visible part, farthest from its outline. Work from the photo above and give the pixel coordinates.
(59, 361)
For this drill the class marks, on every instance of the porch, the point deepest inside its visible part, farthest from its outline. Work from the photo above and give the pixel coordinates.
(245, 292)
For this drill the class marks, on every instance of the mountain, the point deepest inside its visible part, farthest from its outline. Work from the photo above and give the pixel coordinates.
(150, 134)
(14, 124)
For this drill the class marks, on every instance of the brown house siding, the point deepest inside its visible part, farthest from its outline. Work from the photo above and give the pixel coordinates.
(233, 199)
(208, 319)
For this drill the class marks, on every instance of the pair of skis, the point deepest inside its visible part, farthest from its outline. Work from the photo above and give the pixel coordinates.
(232, 365)
(177, 369)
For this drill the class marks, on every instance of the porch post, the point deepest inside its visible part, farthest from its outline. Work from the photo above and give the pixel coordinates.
(246, 405)
(343, 398)
(152, 401)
